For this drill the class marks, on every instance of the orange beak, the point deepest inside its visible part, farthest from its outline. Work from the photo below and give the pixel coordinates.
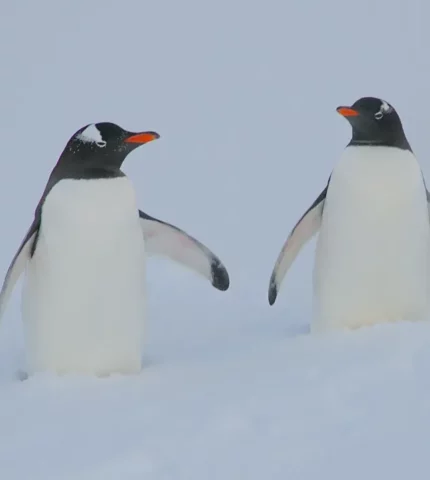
(142, 138)
(347, 112)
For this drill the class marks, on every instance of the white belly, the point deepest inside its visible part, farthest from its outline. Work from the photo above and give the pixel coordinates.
(372, 257)
(84, 293)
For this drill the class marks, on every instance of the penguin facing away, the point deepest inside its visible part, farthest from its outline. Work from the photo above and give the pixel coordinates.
(372, 253)
(83, 301)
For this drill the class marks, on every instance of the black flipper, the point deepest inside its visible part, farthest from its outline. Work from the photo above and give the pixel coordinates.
(167, 240)
(26, 249)
(18, 264)
(428, 199)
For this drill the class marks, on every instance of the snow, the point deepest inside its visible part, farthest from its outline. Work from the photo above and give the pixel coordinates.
(243, 94)
(253, 404)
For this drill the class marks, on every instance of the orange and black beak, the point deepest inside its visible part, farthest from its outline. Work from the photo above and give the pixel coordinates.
(347, 111)
(142, 138)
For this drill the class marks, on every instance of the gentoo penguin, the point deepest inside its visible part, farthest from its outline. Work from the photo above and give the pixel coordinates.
(83, 301)
(371, 259)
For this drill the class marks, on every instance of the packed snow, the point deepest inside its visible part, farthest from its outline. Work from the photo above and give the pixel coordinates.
(243, 94)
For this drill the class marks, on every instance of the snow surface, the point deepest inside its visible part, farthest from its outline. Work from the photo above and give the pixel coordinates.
(243, 94)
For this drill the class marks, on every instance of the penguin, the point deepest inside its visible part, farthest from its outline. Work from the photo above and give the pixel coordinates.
(372, 220)
(84, 256)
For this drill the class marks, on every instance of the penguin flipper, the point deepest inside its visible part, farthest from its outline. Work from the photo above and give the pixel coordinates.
(428, 201)
(18, 264)
(164, 239)
(427, 194)
(303, 231)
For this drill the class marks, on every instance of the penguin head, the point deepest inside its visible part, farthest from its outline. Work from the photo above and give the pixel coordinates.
(103, 145)
(374, 122)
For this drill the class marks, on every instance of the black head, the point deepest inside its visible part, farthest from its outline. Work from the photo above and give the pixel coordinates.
(375, 122)
(99, 149)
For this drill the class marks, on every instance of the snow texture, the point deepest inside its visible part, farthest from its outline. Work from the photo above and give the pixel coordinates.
(244, 96)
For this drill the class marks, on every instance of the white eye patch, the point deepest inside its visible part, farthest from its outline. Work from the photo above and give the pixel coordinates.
(92, 135)
(384, 109)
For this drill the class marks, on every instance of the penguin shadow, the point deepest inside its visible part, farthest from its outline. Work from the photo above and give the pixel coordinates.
(149, 362)
(294, 331)
(297, 330)
(21, 375)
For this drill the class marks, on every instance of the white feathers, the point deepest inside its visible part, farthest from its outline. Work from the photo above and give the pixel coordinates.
(372, 253)
(84, 295)
(304, 230)
(166, 240)
(92, 134)
(384, 109)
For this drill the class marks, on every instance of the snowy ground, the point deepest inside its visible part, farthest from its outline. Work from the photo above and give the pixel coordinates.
(246, 401)
(243, 93)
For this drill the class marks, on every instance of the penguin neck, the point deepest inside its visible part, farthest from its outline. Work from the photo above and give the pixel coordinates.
(79, 167)
(94, 172)
(80, 172)
(396, 140)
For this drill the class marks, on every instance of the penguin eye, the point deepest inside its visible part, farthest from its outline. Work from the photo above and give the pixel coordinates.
(384, 109)
(101, 144)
